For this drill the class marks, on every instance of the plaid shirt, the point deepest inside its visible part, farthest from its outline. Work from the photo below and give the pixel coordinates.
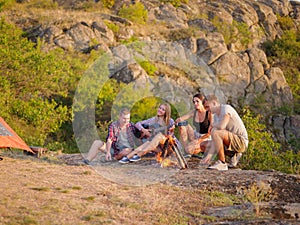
(152, 121)
(113, 134)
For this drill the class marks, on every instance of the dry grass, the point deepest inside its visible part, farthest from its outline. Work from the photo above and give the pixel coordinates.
(38, 192)
(22, 14)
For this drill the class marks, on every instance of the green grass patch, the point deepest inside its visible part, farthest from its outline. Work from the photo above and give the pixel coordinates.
(76, 188)
(217, 198)
(40, 189)
(87, 173)
(90, 198)
(136, 13)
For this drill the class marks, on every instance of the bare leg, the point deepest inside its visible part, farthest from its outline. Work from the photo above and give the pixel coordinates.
(191, 147)
(220, 138)
(95, 148)
(148, 146)
(204, 146)
(197, 146)
(186, 134)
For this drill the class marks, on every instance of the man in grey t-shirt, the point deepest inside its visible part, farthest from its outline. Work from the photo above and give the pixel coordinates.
(228, 130)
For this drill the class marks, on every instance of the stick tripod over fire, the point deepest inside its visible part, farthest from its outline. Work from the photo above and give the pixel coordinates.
(170, 148)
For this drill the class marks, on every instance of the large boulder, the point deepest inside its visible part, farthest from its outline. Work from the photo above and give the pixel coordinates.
(258, 63)
(174, 18)
(233, 75)
(211, 47)
(268, 19)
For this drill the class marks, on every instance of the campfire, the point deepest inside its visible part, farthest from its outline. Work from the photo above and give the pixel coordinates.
(171, 155)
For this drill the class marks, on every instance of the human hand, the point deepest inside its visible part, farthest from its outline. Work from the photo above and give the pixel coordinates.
(146, 133)
(178, 120)
(172, 128)
(206, 159)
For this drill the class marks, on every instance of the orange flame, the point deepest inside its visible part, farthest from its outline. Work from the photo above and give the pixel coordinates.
(158, 157)
(168, 152)
(167, 163)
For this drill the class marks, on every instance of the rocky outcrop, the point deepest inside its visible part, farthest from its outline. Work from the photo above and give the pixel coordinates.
(166, 13)
(83, 37)
(208, 63)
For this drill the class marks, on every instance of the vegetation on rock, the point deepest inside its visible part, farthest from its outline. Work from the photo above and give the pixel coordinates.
(38, 88)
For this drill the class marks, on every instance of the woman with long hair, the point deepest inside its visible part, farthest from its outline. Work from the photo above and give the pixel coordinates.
(154, 131)
(195, 140)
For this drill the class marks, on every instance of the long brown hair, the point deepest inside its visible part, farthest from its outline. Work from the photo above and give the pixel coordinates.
(167, 115)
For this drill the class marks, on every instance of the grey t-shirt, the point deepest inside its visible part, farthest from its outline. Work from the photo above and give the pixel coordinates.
(123, 140)
(235, 124)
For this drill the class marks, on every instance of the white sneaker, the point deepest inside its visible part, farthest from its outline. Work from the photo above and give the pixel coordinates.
(219, 166)
(235, 159)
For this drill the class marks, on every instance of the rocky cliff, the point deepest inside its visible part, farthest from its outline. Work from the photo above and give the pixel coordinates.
(188, 44)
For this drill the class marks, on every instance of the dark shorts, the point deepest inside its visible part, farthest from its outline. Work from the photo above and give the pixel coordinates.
(237, 143)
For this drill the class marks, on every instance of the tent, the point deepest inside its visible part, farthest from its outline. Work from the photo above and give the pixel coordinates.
(9, 138)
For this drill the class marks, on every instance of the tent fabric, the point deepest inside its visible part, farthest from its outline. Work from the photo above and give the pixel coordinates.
(9, 139)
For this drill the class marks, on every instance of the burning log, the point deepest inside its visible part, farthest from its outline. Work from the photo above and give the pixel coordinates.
(170, 148)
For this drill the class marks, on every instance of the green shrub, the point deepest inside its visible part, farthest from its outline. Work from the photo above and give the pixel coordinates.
(244, 34)
(148, 67)
(6, 4)
(108, 3)
(285, 22)
(112, 26)
(284, 52)
(106, 98)
(263, 152)
(144, 109)
(35, 86)
(225, 29)
(234, 32)
(129, 41)
(175, 3)
(136, 13)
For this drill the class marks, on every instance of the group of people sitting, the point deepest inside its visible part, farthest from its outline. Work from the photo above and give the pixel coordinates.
(218, 130)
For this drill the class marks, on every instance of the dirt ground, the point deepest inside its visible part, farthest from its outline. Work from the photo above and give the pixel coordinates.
(61, 190)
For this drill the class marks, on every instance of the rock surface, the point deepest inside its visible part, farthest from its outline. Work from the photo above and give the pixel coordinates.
(208, 63)
(284, 206)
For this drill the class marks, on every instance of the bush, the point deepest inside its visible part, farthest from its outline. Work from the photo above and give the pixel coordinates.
(136, 13)
(284, 52)
(5, 4)
(148, 67)
(108, 3)
(113, 27)
(35, 86)
(263, 152)
(237, 31)
(285, 22)
(175, 3)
